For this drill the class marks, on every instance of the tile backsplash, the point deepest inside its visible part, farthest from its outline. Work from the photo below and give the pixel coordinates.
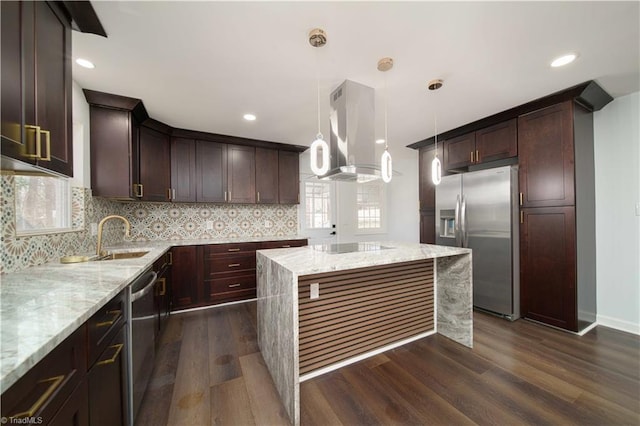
(149, 222)
(180, 221)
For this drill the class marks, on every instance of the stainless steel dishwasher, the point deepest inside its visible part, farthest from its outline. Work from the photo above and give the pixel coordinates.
(141, 337)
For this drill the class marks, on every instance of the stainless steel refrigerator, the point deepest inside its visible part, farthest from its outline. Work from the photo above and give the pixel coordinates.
(479, 210)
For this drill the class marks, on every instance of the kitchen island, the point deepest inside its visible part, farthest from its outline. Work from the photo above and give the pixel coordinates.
(322, 307)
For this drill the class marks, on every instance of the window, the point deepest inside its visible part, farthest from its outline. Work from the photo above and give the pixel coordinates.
(317, 205)
(43, 204)
(369, 205)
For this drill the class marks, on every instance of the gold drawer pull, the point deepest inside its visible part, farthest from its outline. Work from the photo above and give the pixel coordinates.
(138, 190)
(163, 285)
(55, 382)
(170, 257)
(111, 360)
(234, 285)
(233, 265)
(286, 246)
(233, 249)
(116, 314)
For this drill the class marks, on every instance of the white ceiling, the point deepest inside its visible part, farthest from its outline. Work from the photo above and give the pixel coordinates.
(202, 65)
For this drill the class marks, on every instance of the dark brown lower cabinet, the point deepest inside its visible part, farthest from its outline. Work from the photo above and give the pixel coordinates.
(427, 227)
(185, 287)
(548, 266)
(217, 273)
(107, 385)
(75, 411)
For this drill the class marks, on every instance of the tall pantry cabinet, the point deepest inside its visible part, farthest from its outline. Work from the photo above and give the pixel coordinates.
(557, 217)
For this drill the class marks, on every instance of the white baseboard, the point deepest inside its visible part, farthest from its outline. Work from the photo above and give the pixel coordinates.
(619, 324)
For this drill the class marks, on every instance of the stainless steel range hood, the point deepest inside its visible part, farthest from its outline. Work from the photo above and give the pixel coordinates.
(352, 139)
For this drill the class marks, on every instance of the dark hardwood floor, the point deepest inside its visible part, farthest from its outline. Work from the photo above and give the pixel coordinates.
(209, 371)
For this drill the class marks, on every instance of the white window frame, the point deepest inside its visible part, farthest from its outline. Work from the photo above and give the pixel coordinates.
(382, 229)
(328, 212)
(59, 205)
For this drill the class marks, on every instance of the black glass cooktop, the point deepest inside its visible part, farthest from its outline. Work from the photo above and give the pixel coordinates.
(350, 247)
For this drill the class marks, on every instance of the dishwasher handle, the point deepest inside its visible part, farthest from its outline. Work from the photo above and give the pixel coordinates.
(146, 289)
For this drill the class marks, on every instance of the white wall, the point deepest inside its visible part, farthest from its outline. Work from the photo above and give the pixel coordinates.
(617, 164)
(403, 219)
(81, 158)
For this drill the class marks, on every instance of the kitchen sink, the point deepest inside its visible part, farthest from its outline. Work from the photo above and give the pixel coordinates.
(123, 255)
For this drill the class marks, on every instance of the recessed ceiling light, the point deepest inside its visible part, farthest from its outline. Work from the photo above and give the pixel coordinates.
(564, 60)
(380, 141)
(249, 117)
(85, 63)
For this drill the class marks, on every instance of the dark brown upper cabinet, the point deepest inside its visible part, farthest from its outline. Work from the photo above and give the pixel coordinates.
(546, 156)
(288, 177)
(155, 162)
(267, 176)
(492, 143)
(115, 145)
(211, 172)
(241, 174)
(183, 170)
(36, 85)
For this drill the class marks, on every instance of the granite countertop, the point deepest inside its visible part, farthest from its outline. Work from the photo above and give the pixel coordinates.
(43, 305)
(315, 259)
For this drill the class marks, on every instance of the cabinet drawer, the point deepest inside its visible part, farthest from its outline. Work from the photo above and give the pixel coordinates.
(281, 244)
(213, 249)
(233, 296)
(103, 325)
(230, 263)
(223, 285)
(43, 390)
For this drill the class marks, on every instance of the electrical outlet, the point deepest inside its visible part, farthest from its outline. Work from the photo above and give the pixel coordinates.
(314, 288)
(94, 229)
(209, 224)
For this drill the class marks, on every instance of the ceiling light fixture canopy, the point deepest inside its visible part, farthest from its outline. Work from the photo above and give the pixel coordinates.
(318, 38)
(436, 165)
(386, 163)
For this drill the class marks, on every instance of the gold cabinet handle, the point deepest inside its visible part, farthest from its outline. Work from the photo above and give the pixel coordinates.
(472, 156)
(116, 314)
(234, 285)
(162, 282)
(286, 246)
(233, 265)
(38, 153)
(138, 190)
(170, 257)
(111, 360)
(169, 194)
(477, 156)
(225, 195)
(47, 145)
(521, 216)
(258, 196)
(173, 194)
(55, 382)
(521, 198)
(233, 249)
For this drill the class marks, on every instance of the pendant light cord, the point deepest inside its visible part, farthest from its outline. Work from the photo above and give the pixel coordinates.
(386, 96)
(318, 93)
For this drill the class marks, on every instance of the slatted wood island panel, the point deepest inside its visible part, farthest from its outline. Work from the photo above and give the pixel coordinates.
(361, 310)
(369, 300)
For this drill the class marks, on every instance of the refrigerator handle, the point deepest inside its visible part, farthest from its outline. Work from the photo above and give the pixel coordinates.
(456, 220)
(463, 223)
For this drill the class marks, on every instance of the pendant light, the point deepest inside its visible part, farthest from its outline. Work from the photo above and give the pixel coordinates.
(386, 164)
(436, 166)
(318, 38)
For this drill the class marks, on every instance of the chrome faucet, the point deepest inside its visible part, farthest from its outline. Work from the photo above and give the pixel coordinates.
(127, 230)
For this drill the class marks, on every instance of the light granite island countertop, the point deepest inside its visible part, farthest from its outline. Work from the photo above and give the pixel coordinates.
(298, 288)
